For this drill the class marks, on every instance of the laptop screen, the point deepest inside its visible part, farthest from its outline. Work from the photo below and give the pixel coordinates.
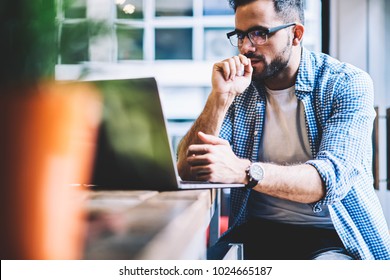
(133, 149)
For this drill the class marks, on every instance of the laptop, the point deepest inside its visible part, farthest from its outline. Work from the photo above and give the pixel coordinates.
(133, 148)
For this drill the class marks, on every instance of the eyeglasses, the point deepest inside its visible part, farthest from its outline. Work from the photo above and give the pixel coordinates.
(257, 36)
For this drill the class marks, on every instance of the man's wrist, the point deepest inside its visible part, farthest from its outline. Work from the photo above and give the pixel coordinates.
(221, 99)
(255, 174)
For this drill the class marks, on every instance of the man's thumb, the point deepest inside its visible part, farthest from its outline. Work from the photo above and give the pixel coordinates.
(211, 139)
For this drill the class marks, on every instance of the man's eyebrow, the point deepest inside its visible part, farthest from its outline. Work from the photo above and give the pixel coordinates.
(257, 27)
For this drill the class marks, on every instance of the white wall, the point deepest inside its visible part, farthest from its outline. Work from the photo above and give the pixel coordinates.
(360, 35)
(349, 31)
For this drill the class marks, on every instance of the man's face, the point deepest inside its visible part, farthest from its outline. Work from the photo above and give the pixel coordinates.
(272, 58)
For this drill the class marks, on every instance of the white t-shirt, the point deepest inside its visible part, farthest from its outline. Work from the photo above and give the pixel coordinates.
(285, 142)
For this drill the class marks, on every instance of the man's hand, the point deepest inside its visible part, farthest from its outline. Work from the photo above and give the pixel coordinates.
(214, 161)
(231, 77)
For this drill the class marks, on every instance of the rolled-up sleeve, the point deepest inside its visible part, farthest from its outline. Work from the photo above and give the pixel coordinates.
(345, 153)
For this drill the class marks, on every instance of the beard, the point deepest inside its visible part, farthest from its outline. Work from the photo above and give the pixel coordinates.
(272, 69)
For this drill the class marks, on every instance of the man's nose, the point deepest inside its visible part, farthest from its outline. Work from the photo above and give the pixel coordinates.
(247, 45)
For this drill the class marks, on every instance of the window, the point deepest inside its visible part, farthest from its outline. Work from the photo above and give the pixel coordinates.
(129, 9)
(148, 30)
(130, 43)
(312, 37)
(170, 8)
(215, 47)
(217, 7)
(173, 43)
(74, 43)
(75, 9)
(175, 40)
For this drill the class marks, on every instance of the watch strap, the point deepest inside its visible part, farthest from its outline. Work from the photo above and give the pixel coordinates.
(251, 182)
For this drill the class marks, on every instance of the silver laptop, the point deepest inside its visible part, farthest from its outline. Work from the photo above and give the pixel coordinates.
(134, 149)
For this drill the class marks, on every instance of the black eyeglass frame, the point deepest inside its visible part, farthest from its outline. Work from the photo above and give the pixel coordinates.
(267, 31)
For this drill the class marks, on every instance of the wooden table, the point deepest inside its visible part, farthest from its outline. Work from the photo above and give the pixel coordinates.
(149, 225)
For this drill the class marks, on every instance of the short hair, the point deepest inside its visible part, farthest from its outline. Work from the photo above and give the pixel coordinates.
(288, 10)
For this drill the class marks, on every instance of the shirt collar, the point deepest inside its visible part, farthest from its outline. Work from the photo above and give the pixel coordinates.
(306, 73)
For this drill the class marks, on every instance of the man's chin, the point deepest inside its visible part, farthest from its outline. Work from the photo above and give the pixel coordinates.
(258, 75)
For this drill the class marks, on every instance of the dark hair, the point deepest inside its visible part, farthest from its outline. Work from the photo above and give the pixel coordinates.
(288, 10)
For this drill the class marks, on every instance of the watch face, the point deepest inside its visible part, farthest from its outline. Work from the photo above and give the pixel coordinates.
(256, 171)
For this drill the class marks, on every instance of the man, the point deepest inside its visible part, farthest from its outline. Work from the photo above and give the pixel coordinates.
(295, 127)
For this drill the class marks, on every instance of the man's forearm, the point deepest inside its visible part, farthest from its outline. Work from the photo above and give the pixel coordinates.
(210, 122)
(299, 183)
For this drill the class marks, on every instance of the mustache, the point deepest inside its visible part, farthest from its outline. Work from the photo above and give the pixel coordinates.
(255, 56)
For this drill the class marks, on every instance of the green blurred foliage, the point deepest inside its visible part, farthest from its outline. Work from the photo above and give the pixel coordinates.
(28, 34)
(32, 37)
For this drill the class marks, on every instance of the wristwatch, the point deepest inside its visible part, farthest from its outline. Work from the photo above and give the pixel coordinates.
(255, 173)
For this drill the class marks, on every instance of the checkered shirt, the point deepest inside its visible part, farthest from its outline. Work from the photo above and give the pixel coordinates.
(338, 101)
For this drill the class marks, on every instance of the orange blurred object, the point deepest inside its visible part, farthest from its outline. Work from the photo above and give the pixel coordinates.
(47, 142)
(224, 222)
(223, 226)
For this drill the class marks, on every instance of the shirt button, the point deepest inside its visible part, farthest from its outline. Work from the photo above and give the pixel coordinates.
(317, 209)
(255, 133)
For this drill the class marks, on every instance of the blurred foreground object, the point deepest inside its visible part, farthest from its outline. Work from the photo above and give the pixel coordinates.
(47, 138)
(47, 144)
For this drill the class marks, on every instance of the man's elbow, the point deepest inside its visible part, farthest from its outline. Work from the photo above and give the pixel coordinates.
(184, 170)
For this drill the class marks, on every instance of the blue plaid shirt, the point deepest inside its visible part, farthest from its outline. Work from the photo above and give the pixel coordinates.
(338, 101)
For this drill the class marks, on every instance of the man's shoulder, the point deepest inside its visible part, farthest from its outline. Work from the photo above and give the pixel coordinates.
(321, 62)
(318, 68)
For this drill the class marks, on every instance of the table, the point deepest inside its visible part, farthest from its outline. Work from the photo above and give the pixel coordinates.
(146, 225)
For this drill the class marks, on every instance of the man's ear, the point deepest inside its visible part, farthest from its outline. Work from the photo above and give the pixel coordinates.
(299, 30)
